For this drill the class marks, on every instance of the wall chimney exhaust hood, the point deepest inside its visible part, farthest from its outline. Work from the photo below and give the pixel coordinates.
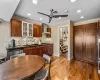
(7, 9)
(44, 28)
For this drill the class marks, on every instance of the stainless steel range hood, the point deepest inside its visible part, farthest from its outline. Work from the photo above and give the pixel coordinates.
(44, 28)
(7, 9)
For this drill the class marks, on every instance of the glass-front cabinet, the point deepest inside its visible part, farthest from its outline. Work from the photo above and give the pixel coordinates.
(27, 29)
(30, 30)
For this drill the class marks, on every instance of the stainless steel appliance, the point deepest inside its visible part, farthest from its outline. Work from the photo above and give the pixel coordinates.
(14, 52)
(99, 56)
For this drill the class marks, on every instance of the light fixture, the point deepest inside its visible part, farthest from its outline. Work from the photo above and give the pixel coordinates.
(41, 19)
(66, 11)
(82, 17)
(73, 0)
(35, 2)
(78, 11)
(59, 17)
(29, 14)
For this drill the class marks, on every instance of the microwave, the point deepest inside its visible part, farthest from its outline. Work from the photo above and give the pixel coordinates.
(99, 67)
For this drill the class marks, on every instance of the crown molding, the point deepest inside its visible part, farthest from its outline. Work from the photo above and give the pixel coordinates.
(87, 22)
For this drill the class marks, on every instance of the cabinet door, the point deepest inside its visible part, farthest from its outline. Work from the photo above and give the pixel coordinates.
(24, 29)
(91, 42)
(36, 51)
(50, 50)
(78, 41)
(98, 29)
(28, 51)
(16, 28)
(44, 50)
(48, 35)
(30, 31)
(37, 30)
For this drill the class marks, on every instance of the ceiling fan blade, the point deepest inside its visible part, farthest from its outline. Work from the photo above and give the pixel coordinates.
(50, 19)
(44, 14)
(56, 16)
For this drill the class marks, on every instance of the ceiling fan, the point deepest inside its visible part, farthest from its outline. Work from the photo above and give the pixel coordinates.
(52, 15)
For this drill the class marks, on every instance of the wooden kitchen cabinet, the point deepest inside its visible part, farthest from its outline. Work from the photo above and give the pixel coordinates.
(39, 50)
(85, 42)
(28, 51)
(98, 29)
(36, 51)
(47, 50)
(48, 35)
(37, 30)
(16, 28)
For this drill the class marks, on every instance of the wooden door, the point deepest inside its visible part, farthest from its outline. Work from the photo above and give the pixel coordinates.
(16, 28)
(90, 39)
(48, 35)
(37, 30)
(78, 41)
(85, 42)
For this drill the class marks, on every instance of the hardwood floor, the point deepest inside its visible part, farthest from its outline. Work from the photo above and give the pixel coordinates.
(62, 69)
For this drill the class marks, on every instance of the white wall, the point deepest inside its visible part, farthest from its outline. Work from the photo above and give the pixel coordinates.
(4, 37)
(55, 40)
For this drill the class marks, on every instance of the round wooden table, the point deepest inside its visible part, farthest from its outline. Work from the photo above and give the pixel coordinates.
(21, 67)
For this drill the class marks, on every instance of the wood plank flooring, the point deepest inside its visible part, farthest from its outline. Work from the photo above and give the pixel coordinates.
(62, 69)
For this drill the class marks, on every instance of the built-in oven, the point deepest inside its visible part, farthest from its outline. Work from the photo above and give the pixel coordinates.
(98, 55)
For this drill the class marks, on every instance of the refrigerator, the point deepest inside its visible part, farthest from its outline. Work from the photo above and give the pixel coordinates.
(99, 56)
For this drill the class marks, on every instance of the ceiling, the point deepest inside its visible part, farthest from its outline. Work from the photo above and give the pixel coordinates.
(90, 9)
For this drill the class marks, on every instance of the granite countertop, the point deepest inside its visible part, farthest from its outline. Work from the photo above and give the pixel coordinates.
(23, 46)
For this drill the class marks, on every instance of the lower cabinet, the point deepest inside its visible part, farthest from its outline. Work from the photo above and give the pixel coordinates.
(28, 50)
(39, 50)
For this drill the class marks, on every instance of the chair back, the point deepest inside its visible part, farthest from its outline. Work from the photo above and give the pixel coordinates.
(17, 55)
(47, 58)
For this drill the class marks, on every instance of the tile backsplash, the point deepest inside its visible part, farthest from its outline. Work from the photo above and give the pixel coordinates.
(30, 40)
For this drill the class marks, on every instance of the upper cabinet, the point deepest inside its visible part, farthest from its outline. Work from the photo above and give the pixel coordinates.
(37, 30)
(27, 29)
(16, 28)
(7, 9)
(99, 29)
(48, 35)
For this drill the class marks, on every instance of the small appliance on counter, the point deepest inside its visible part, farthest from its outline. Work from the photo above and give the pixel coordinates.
(13, 43)
(39, 42)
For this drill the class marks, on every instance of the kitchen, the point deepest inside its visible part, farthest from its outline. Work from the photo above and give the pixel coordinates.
(30, 40)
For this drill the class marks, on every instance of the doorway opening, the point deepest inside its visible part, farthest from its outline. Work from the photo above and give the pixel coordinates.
(63, 36)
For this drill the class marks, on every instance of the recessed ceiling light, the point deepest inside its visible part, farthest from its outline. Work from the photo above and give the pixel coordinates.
(59, 17)
(34, 1)
(78, 11)
(41, 19)
(82, 17)
(66, 11)
(73, 0)
(29, 14)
